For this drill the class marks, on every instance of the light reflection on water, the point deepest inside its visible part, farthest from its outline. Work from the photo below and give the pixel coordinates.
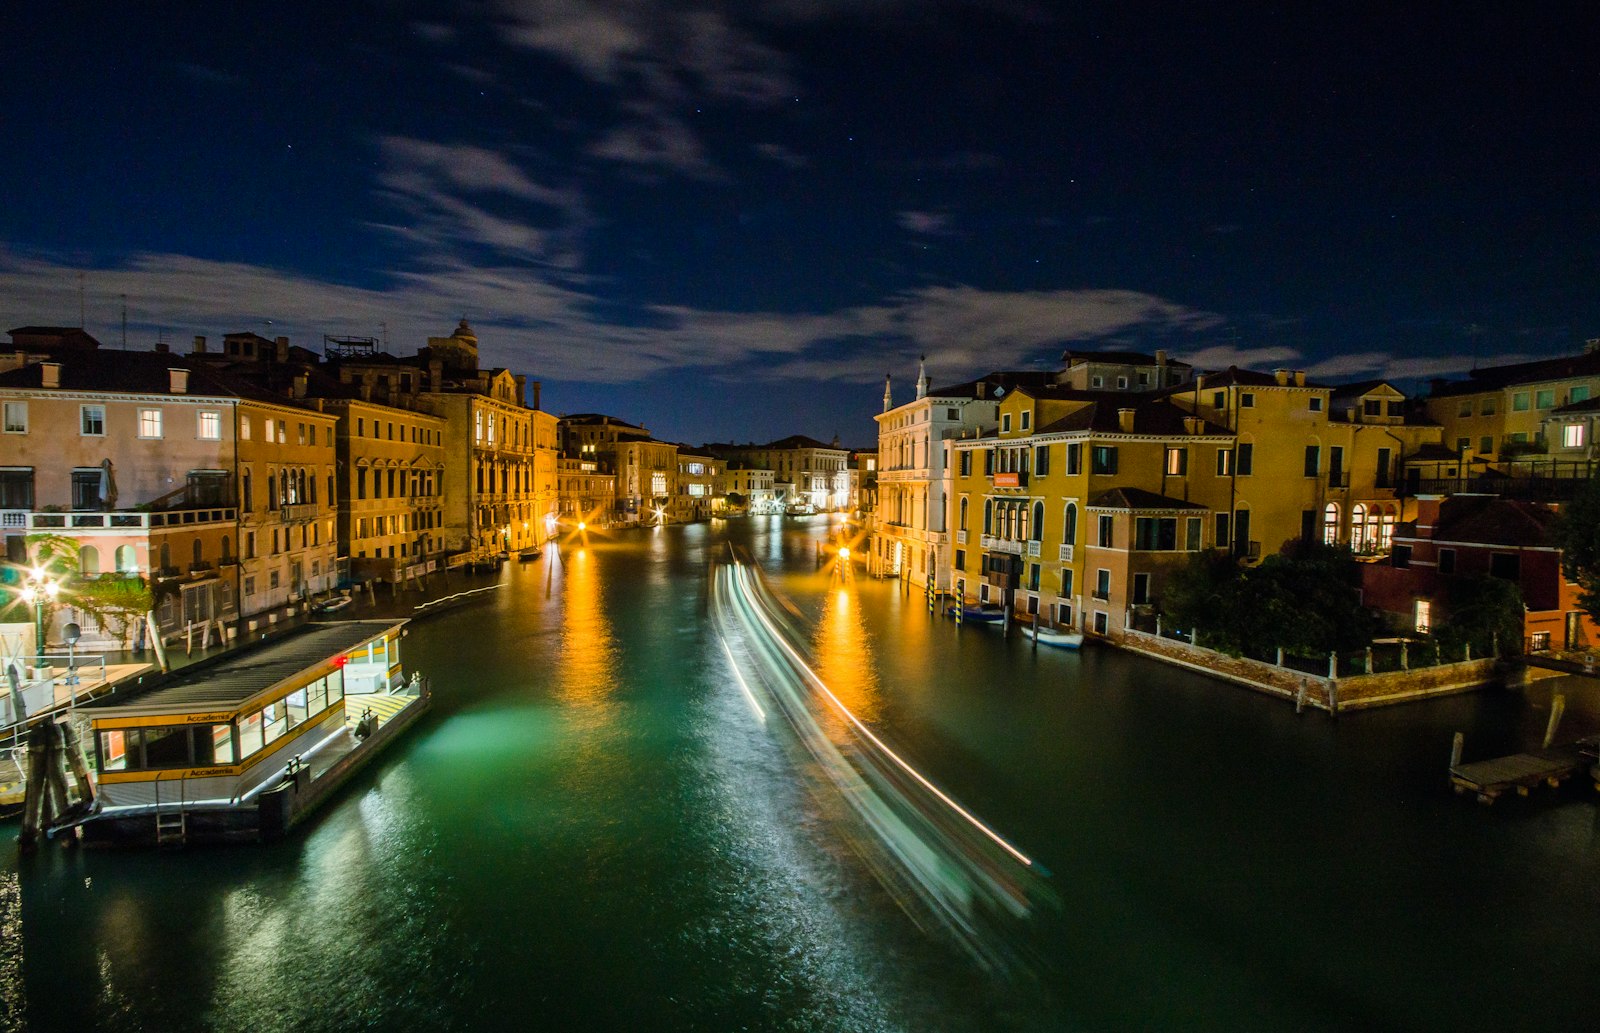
(593, 831)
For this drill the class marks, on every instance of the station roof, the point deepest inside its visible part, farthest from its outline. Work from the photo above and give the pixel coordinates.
(235, 678)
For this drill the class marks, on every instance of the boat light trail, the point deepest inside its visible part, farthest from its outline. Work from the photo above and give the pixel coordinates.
(762, 714)
(891, 754)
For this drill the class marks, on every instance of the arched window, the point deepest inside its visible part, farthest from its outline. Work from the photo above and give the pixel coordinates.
(89, 561)
(963, 524)
(166, 556)
(1386, 529)
(199, 553)
(1038, 521)
(988, 516)
(1022, 521)
(1330, 524)
(1070, 533)
(227, 548)
(126, 564)
(272, 490)
(1358, 528)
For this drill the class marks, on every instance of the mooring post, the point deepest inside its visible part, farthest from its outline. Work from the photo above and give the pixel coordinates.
(1455, 749)
(1333, 665)
(1405, 662)
(1158, 625)
(1280, 656)
(1469, 651)
(1333, 699)
(1369, 659)
(1558, 707)
(1300, 697)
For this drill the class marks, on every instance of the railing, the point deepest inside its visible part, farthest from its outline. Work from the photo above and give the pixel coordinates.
(1338, 478)
(1033, 548)
(1102, 594)
(994, 544)
(298, 512)
(961, 537)
(46, 682)
(122, 520)
(1066, 554)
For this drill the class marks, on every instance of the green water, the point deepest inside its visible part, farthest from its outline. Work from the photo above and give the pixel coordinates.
(592, 832)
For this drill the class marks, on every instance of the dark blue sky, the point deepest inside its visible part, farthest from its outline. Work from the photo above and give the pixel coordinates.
(728, 220)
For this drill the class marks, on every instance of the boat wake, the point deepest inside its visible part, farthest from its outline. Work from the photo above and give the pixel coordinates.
(941, 863)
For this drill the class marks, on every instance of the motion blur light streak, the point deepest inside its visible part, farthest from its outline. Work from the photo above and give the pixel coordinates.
(961, 873)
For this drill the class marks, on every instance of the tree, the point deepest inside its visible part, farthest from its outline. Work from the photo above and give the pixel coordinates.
(1487, 612)
(116, 602)
(1577, 532)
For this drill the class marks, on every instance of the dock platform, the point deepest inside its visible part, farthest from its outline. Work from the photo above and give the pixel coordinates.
(1521, 772)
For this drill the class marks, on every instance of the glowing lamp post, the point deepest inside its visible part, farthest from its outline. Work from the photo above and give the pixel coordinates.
(38, 590)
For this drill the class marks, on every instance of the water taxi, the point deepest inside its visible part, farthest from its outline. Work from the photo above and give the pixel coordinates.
(241, 747)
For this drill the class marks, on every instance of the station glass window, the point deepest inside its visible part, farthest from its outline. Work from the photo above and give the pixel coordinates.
(114, 750)
(166, 748)
(250, 741)
(274, 721)
(295, 704)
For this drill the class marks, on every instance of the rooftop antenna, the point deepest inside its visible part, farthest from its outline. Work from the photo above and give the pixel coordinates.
(124, 322)
(80, 299)
(383, 327)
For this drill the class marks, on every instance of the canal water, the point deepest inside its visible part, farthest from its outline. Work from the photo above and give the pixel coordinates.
(594, 831)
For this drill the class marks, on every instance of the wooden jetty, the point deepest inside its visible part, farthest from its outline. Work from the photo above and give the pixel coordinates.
(1521, 772)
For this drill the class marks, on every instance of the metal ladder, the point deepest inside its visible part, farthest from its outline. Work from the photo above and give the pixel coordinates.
(172, 827)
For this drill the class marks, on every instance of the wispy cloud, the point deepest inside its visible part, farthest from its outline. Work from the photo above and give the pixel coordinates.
(657, 140)
(782, 155)
(556, 331)
(450, 193)
(927, 223)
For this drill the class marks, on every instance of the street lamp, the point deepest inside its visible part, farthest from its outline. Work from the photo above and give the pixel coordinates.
(38, 589)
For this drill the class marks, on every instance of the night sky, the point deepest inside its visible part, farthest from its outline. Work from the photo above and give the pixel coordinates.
(729, 220)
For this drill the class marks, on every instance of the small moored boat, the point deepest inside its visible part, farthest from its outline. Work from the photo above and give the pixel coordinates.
(529, 555)
(1058, 637)
(978, 614)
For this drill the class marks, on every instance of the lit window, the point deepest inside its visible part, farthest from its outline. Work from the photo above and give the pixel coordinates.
(1424, 615)
(16, 417)
(210, 426)
(1572, 435)
(92, 420)
(149, 423)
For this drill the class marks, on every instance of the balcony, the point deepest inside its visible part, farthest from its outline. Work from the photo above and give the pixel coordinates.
(298, 512)
(120, 522)
(1066, 554)
(961, 537)
(1102, 594)
(994, 544)
(1033, 549)
(1338, 478)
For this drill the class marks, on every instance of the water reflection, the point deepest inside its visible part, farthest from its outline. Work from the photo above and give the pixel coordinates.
(586, 662)
(843, 653)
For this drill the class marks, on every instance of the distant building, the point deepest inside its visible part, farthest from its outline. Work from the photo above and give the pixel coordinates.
(700, 486)
(808, 474)
(646, 470)
(1479, 535)
(1506, 412)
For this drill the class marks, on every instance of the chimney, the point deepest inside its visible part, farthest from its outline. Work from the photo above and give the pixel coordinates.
(301, 379)
(177, 380)
(1199, 381)
(1591, 346)
(983, 389)
(522, 389)
(1194, 425)
(1299, 378)
(49, 374)
(162, 347)
(1282, 377)
(1125, 420)
(199, 344)
(1161, 356)
(283, 349)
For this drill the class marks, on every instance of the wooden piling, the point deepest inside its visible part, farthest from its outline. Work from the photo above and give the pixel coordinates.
(1456, 745)
(1558, 707)
(33, 799)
